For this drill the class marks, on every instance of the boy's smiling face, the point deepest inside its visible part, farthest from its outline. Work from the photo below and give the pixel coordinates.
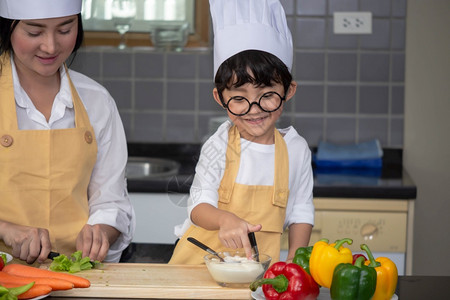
(257, 125)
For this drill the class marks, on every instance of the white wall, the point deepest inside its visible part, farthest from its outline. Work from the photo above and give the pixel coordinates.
(427, 131)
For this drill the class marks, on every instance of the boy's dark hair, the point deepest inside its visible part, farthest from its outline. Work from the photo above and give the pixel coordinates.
(251, 66)
(7, 27)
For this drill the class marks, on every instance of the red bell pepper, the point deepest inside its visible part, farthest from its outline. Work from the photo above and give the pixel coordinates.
(2, 260)
(287, 281)
(355, 257)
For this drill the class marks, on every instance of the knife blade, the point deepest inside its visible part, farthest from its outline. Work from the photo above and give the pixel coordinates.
(252, 238)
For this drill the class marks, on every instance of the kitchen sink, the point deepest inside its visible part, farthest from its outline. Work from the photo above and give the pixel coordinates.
(150, 168)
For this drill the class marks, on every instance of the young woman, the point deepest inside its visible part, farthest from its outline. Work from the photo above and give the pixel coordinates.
(62, 144)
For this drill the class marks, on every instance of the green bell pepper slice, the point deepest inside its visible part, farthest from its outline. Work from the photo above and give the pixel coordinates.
(353, 282)
(12, 293)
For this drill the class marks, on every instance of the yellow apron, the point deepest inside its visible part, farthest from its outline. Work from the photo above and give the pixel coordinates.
(257, 204)
(45, 174)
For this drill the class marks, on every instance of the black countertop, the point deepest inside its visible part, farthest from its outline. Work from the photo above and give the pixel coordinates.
(389, 182)
(423, 287)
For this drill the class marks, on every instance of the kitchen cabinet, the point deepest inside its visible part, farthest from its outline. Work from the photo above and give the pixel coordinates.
(385, 225)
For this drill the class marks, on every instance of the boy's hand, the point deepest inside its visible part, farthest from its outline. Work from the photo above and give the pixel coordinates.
(233, 233)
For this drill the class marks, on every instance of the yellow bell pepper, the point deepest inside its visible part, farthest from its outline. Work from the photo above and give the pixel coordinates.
(325, 257)
(387, 275)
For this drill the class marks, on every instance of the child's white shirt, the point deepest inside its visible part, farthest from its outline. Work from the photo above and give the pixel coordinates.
(256, 168)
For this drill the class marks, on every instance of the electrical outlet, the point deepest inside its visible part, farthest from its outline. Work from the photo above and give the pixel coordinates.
(352, 22)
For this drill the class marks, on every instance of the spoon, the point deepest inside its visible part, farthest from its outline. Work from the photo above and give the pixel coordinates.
(204, 247)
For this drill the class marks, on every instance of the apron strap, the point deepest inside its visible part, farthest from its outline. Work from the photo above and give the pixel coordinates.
(81, 116)
(8, 121)
(281, 179)
(233, 159)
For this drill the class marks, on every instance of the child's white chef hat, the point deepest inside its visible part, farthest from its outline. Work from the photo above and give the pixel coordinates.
(38, 9)
(240, 25)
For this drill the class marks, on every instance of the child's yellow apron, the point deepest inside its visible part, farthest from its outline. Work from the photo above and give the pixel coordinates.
(257, 204)
(45, 174)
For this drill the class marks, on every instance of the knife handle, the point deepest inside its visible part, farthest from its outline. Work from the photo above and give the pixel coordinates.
(252, 238)
(204, 247)
(52, 255)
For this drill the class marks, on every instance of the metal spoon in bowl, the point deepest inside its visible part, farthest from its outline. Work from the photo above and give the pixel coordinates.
(204, 247)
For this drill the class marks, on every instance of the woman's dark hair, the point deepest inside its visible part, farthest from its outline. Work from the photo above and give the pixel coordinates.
(7, 27)
(252, 66)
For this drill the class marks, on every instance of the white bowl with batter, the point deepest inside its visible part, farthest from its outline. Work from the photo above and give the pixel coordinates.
(237, 270)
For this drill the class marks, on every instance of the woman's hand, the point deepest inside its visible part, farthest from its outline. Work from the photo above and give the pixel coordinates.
(27, 243)
(94, 240)
(233, 233)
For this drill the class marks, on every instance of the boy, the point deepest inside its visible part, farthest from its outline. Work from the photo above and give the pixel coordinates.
(251, 177)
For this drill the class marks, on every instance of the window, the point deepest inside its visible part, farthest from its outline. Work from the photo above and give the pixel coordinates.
(99, 26)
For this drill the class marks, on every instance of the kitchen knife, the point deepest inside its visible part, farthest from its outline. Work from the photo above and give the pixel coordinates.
(252, 238)
(52, 255)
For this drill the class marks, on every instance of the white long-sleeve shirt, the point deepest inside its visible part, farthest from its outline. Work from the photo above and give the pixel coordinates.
(107, 192)
(256, 168)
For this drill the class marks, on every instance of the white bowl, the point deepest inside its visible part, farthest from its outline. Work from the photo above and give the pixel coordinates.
(8, 256)
(237, 270)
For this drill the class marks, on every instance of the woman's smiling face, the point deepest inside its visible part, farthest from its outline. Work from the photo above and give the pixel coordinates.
(42, 46)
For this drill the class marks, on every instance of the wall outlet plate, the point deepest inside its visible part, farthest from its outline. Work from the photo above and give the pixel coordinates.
(352, 22)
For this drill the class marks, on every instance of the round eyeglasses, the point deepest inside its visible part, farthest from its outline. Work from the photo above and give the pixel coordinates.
(268, 102)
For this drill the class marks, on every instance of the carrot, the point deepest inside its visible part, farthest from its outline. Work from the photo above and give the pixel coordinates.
(35, 291)
(55, 284)
(27, 271)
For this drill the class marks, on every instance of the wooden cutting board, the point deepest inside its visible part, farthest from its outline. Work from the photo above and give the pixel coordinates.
(160, 281)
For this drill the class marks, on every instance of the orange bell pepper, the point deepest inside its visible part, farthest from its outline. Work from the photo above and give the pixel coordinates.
(387, 275)
(325, 257)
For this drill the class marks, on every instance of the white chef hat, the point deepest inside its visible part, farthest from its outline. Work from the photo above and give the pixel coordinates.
(240, 25)
(38, 9)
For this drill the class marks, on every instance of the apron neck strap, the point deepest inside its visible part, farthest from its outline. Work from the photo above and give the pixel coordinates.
(232, 162)
(281, 177)
(81, 116)
(8, 120)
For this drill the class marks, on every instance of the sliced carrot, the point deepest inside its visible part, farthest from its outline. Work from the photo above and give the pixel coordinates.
(55, 284)
(28, 271)
(35, 291)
